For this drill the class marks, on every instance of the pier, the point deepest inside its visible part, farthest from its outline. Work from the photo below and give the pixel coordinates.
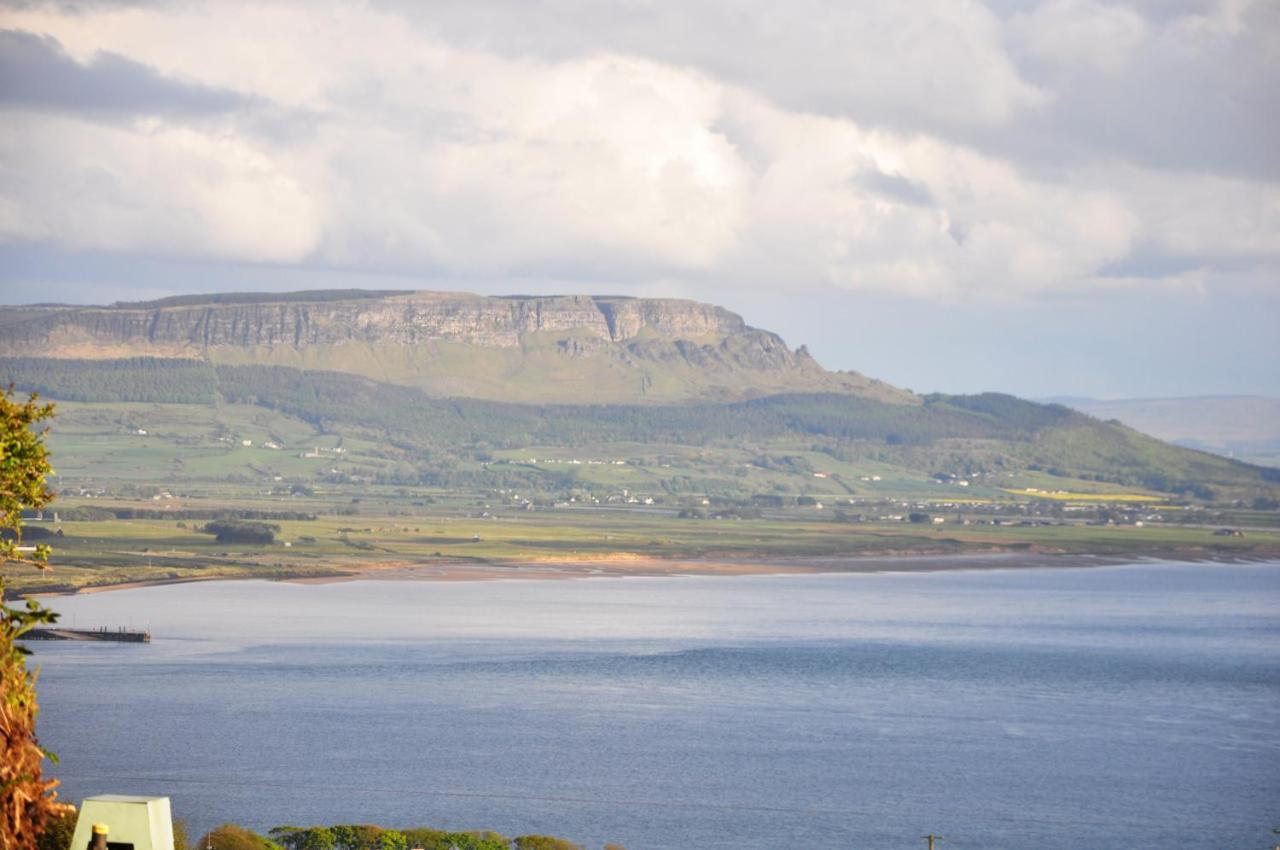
(118, 635)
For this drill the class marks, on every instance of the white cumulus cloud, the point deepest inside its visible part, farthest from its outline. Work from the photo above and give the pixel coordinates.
(858, 147)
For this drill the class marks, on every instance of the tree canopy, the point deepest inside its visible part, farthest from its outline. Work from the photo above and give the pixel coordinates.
(28, 801)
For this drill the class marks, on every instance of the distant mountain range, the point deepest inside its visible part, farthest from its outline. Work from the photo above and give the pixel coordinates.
(1240, 426)
(453, 377)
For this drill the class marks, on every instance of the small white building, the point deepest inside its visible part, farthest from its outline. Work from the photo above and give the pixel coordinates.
(145, 823)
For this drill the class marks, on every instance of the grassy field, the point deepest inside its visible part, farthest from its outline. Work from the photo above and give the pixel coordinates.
(137, 481)
(196, 447)
(400, 532)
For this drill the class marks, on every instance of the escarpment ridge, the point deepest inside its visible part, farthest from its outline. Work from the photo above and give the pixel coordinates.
(527, 348)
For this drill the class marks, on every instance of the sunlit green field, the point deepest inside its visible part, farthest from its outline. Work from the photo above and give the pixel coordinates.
(614, 503)
(382, 534)
(202, 447)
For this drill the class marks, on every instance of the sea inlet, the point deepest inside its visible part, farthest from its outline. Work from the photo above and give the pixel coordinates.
(1121, 706)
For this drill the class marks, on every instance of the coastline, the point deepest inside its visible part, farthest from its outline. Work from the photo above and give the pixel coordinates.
(626, 565)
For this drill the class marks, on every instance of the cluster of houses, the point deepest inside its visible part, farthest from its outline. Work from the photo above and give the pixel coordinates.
(87, 492)
(322, 451)
(272, 445)
(574, 461)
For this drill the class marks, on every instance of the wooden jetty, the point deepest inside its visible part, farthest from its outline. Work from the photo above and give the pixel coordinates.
(119, 635)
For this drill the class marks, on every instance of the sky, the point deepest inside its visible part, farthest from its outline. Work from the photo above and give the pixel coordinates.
(1066, 197)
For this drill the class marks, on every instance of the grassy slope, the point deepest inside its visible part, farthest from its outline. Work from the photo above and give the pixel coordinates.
(968, 436)
(419, 479)
(960, 434)
(538, 370)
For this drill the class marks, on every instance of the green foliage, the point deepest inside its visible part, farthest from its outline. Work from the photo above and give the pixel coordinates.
(368, 837)
(1008, 411)
(438, 839)
(327, 398)
(24, 464)
(311, 838)
(153, 379)
(233, 531)
(544, 842)
(231, 836)
(59, 830)
(27, 800)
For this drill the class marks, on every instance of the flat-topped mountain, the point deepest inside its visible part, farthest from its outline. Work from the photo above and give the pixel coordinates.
(513, 348)
(441, 379)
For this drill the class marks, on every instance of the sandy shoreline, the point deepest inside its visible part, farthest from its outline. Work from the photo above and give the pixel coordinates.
(627, 565)
(658, 567)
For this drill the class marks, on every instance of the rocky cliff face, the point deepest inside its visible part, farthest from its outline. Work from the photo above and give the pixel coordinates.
(423, 338)
(401, 319)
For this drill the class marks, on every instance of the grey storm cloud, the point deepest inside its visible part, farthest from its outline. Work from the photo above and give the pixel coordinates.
(36, 71)
(1194, 98)
(1178, 96)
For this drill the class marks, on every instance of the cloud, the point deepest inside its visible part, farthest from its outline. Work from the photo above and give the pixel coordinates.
(151, 189)
(960, 154)
(36, 72)
(822, 214)
(933, 62)
(1072, 34)
(1192, 90)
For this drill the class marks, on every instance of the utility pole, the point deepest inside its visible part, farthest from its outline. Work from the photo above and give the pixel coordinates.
(932, 838)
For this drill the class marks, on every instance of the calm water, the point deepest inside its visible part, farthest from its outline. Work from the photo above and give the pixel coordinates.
(1080, 708)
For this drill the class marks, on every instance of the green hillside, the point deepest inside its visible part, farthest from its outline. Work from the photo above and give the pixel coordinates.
(751, 444)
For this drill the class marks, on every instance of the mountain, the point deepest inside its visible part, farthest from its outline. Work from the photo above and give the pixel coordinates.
(1240, 426)
(438, 387)
(517, 348)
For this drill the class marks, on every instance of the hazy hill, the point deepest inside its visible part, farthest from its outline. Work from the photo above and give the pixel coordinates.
(518, 348)
(1244, 427)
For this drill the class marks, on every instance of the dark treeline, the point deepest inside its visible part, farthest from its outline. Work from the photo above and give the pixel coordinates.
(332, 397)
(145, 379)
(96, 513)
(232, 531)
(208, 514)
(325, 398)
